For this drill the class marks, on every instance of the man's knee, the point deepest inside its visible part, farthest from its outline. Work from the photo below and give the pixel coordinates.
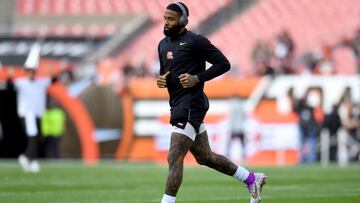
(203, 159)
(174, 158)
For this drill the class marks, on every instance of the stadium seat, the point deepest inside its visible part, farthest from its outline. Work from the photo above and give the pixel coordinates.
(344, 60)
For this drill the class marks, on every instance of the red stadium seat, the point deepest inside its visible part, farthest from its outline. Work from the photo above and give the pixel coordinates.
(344, 61)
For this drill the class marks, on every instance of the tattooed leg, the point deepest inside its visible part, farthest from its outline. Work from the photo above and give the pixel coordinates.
(204, 156)
(179, 146)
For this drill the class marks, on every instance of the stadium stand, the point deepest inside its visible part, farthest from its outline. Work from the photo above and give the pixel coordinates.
(6, 12)
(311, 23)
(92, 26)
(74, 18)
(153, 8)
(97, 18)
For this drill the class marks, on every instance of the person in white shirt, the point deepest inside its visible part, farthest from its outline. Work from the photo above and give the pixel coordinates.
(31, 103)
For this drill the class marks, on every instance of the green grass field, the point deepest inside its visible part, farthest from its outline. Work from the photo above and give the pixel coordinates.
(118, 182)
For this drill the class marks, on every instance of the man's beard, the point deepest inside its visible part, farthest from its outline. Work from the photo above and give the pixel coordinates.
(172, 32)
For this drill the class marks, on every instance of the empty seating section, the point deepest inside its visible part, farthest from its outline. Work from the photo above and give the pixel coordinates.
(153, 8)
(199, 10)
(311, 23)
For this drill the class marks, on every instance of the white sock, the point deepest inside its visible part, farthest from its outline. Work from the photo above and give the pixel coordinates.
(168, 199)
(241, 174)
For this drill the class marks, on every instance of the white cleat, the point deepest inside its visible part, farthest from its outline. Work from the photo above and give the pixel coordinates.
(24, 163)
(34, 167)
(256, 187)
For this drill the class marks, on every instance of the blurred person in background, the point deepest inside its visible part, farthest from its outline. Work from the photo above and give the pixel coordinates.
(349, 115)
(52, 128)
(309, 126)
(1, 132)
(261, 56)
(31, 103)
(356, 49)
(318, 62)
(236, 144)
(356, 132)
(127, 72)
(285, 102)
(325, 64)
(284, 51)
(332, 122)
(354, 45)
(183, 55)
(310, 61)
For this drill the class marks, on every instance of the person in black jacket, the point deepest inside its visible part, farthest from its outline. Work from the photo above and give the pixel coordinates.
(182, 56)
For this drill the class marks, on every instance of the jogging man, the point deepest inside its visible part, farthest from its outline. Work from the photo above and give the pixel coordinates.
(182, 56)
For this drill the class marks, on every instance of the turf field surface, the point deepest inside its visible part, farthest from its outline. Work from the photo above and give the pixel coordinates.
(119, 182)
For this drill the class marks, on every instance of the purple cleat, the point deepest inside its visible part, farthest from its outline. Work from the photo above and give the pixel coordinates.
(256, 187)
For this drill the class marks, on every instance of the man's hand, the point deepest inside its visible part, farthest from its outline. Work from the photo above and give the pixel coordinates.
(161, 80)
(188, 80)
